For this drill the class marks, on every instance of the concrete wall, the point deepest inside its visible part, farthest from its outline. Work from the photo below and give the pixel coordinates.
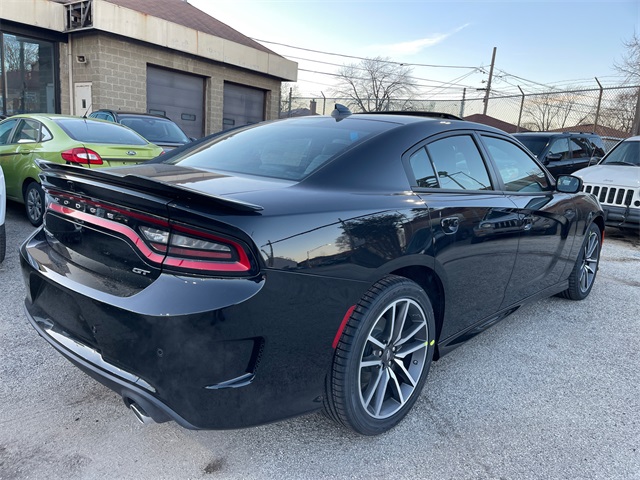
(117, 68)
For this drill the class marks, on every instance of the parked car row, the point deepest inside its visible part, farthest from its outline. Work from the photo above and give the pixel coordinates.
(309, 263)
(562, 153)
(155, 128)
(28, 138)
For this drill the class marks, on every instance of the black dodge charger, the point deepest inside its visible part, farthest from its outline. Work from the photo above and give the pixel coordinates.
(311, 263)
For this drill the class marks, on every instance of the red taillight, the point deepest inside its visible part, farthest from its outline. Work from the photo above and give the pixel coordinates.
(171, 245)
(82, 155)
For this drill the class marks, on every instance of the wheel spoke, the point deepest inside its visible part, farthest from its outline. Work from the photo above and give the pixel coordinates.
(410, 348)
(412, 333)
(371, 388)
(376, 342)
(369, 362)
(380, 391)
(400, 311)
(404, 373)
(395, 385)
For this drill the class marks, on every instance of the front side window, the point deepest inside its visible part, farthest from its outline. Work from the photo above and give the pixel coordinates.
(28, 132)
(5, 130)
(458, 164)
(560, 146)
(579, 148)
(518, 171)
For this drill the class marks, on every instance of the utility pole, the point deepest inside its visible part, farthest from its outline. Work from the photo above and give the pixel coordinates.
(464, 97)
(486, 95)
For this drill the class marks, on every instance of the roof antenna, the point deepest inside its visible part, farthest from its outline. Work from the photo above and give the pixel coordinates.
(87, 111)
(340, 112)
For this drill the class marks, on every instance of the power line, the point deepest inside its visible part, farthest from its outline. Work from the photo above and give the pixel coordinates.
(363, 58)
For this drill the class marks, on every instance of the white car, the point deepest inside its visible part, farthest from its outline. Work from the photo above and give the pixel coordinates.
(3, 208)
(615, 181)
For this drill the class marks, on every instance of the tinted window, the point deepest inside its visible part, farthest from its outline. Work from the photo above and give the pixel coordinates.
(458, 164)
(28, 131)
(560, 146)
(536, 144)
(423, 170)
(579, 147)
(91, 131)
(155, 129)
(285, 149)
(5, 130)
(518, 171)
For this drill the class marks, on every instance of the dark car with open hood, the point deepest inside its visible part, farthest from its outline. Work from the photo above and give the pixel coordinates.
(303, 264)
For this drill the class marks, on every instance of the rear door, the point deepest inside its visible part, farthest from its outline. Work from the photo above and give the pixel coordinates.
(475, 229)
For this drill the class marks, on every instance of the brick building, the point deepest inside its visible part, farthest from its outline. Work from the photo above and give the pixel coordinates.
(159, 56)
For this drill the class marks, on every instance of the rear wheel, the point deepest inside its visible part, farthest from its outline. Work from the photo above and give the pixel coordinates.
(383, 357)
(584, 272)
(34, 203)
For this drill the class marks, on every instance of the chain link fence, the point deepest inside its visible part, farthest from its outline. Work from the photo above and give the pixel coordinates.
(611, 111)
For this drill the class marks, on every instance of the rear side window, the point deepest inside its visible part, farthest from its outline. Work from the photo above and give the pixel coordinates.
(458, 164)
(91, 131)
(518, 170)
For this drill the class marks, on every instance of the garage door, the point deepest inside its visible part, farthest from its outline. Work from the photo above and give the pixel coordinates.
(179, 96)
(242, 106)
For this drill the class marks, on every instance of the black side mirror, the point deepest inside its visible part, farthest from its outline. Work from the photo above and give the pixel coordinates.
(568, 184)
(552, 157)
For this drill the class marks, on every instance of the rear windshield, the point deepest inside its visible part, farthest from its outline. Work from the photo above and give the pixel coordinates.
(534, 144)
(289, 149)
(156, 130)
(92, 131)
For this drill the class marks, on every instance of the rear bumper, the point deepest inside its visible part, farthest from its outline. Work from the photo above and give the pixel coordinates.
(206, 353)
(132, 388)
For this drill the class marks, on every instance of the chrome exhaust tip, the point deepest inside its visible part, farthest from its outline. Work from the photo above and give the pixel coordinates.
(140, 414)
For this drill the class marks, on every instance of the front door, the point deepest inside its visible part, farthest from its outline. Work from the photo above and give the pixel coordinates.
(474, 227)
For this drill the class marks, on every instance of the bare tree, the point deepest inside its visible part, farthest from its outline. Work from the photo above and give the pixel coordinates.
(375, 85)
(629, 66)
(556, 110)
(286, 89)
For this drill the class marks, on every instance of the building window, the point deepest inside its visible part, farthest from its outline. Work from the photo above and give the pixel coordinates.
(27, 69)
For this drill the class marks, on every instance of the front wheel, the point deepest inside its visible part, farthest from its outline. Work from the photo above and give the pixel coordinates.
(584, 272)
(383, 357)
(34, 203)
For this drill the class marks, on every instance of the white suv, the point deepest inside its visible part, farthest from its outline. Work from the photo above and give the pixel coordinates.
(615, 181)
(3, 208)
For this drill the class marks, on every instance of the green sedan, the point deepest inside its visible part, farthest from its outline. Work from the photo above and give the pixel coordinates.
(63, 139)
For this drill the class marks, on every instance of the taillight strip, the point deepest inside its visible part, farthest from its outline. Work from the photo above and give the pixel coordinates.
(241, 265)
(109, 225)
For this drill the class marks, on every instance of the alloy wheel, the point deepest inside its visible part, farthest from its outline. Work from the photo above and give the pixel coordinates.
(590, 258)
(393, 358)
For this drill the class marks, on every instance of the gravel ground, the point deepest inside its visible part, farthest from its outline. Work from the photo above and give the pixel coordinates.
(551, 392)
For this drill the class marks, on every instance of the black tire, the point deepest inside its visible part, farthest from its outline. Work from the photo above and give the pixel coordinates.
(34, 203)
(3, 242)
(380, 365)
(584, 272)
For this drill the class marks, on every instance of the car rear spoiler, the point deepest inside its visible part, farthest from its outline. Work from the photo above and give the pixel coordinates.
(142, 184)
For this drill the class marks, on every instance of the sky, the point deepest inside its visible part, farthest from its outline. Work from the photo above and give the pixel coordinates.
(540, 45)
